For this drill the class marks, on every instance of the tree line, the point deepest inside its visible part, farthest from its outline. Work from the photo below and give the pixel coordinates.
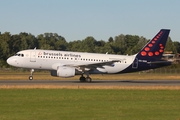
(120, 44)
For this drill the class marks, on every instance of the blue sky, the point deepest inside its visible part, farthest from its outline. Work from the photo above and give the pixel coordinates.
(77, 19)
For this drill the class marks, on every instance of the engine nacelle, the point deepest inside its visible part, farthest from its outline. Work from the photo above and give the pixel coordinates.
(63, 72)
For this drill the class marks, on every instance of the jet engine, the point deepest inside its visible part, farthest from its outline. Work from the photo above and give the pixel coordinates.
(63, 71)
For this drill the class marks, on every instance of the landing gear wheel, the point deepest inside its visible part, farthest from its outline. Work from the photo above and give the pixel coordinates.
(82, 79)
(88, 79)
(30, 77)
(85, 79)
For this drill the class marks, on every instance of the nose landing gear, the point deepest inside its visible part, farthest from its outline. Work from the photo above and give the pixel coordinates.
(31, 76)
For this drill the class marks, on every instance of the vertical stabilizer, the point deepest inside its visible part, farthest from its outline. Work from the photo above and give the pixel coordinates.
(154, 49)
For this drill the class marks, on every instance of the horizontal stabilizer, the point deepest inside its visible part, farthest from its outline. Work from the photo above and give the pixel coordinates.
(160, 62)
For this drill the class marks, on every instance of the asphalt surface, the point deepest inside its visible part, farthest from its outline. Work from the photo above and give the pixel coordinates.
(93, 83)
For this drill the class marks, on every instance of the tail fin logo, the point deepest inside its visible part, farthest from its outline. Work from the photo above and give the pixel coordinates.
(147, 51)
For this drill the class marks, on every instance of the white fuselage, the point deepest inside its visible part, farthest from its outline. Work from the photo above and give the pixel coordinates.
(51, 59)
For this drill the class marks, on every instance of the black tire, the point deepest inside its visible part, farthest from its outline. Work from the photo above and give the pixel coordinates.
(30, 77)
(82, 79)
(88, 79)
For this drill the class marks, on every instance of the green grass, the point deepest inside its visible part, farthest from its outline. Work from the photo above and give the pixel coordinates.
(89, 104)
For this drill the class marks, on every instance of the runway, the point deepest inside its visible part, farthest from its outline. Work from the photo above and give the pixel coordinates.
(93, 83)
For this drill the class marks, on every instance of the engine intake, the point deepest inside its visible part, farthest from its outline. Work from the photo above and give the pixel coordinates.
(63, 72)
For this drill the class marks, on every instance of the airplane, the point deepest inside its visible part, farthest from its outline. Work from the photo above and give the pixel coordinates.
(68, 63)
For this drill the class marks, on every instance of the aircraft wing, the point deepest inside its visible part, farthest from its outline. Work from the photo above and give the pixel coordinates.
(87, 67)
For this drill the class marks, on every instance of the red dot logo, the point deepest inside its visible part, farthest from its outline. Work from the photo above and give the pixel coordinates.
(160, 45)
(143, 53)
(147, 49)
(155, 39)
(150, 54)
(153, 42)
(156, 53)
(150, 45)
(39, 53)
(161, 51)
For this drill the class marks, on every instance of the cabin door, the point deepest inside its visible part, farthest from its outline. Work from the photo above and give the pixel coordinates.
(33, 56)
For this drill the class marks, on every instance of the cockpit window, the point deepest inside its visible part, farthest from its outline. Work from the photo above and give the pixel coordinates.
(18, 54)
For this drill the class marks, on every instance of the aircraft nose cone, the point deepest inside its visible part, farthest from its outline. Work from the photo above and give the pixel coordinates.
(10, 61)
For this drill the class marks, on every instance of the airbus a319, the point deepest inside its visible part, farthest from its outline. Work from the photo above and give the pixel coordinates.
(68, 64)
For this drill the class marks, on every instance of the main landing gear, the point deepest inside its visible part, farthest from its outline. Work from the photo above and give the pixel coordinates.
(31, 76)
(85, 79)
